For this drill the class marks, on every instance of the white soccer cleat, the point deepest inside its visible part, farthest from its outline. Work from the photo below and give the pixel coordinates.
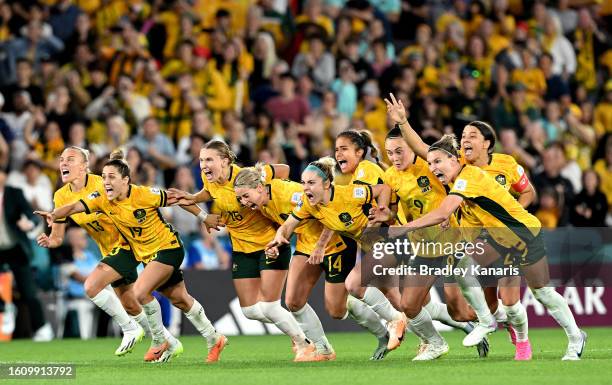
(129, 341)
(432, 351)
(174, 350)
(43, 334)
(575, 349)
(479, 333)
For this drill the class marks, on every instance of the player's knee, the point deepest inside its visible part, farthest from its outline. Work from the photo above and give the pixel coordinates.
(294, 303)
(130, 304)
(92, 288)
(354, 288)
(336, 310)
(410, 307)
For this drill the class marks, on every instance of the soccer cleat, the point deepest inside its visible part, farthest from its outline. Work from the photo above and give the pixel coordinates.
(329, 356)
(174, 350)
(129, 341)
(575, 349)
(214, 353)
(381, 350)
(421, 347)
(155, 352)
(307, 353)
(478, 334)
(397, 330)
(483, 346)
(432, 351)
(523, 351)
(508, 326)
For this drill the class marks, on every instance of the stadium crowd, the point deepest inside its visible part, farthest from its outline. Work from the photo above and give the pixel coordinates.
(279, 79)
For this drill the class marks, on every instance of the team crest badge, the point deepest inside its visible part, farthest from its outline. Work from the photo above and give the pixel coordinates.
(346, 219)
(424, 184)
(140, 215)
(501, 179)
(93, 195)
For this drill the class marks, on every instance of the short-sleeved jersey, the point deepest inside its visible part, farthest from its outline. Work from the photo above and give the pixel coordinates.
(99, 226)
(367, 172)
(488, 204)
(418, 191)
(138, 219)
(284, 196)
(249, 230)
(343, 213)
(506, 171)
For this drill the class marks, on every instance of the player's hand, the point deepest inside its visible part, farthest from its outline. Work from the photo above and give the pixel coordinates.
(396, 109)
(278, 240)
(272, 252)
(43, 240)
(379, 214)
(48, 216)
(25, 224)
(180, 197)
(446, 224)
(316, 257)
(213, 222)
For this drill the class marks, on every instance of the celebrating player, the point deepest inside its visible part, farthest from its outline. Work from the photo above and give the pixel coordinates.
(116, 268)
(481, 198)
(135, 212)
(418, 192)
(258, 277)
(276, 199)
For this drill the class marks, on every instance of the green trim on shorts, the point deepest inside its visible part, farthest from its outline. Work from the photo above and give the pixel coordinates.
(249, 265)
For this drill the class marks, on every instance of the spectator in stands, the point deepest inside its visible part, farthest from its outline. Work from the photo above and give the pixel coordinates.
(154, 145)
(16, 219)
(288, 106)
(207, 253)
(590, 207)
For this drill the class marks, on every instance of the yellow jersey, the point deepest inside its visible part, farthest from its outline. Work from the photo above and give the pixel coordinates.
(249, 230)
(138, 219)
(507, 172)
(99, 226)
(417, 191)
(486, 204)
(367, 172)
(284, 196)
(344, 211)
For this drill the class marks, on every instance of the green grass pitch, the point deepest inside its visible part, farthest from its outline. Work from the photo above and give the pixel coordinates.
(267, 360)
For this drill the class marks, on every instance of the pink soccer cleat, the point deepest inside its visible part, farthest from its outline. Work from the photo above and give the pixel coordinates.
(523, 351)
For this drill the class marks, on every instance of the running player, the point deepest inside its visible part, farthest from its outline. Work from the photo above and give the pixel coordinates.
(477, 143)
(115, 268)
(509, 224)
(418, 192)
(338, 208)
(276, 199)
(258, 278)
(353, 148)
(135, 212)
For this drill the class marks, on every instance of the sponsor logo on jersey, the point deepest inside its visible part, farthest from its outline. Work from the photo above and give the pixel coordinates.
(296, 197)
(140, 215)
(424, 184)
(155, 190)
(93, 195)
(359, 192)
(501, 179)
(460, 185)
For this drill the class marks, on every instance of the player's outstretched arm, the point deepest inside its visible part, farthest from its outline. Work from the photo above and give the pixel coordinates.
(62, 212)
(438, 215)
(284, 233)
(55, 239)
(316, 257)
(397, 114)
(211, 221)
(183, 198)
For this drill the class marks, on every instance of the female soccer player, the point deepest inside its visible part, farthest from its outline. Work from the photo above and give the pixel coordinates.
(116, 268)
(134, 210)
(418, 192)
(477, 143)
(258, 278)
(276, 199)
(338, 208)
(484, 200)
(352, 150)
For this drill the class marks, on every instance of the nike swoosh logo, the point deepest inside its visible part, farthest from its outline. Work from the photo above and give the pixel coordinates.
(269, 261)
(333, 275)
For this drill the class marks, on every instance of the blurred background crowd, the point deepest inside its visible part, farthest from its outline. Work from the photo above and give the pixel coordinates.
(279, 79)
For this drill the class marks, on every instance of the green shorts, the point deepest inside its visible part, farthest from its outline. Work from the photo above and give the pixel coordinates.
(248, 265)
(337, 266)
(172, 257)
(124, 263)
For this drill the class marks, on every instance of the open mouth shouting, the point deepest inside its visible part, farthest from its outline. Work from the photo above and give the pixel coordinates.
(468, 149)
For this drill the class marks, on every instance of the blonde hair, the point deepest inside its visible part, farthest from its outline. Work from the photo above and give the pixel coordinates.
(326, 165)
(222, 148)
(448, 144)
(84, 152)
(250, 177)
